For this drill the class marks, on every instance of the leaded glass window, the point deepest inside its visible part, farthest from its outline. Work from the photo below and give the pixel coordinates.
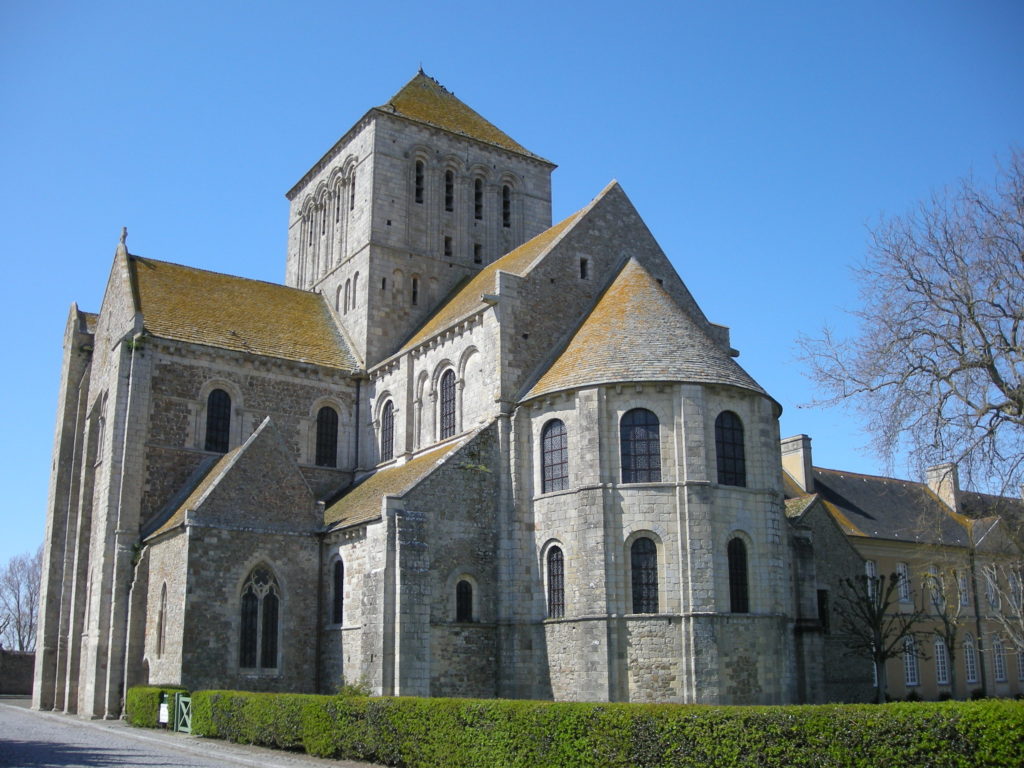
(218, 421)
(644, 566)
(640, 446)
(259, 621)
(556, 583)
(447, 404)
(554, 457)
(732, 464)
(327, 437)
(387, 432)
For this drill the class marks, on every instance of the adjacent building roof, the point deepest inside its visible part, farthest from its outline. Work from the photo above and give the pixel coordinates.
(427, 101)
(363, 502)
(467, 296)
(886, 508)
(194, 305)
(637, 332)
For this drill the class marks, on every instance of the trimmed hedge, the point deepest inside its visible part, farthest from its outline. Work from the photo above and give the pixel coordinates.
(467, 733)
(142, 705)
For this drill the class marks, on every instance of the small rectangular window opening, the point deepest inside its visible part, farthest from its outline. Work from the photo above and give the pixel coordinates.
(415, 291)
(584, 269)
(823, 610)
(447, 246)
(478, 253)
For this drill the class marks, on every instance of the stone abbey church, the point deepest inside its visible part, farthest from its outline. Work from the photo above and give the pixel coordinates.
(463, 451)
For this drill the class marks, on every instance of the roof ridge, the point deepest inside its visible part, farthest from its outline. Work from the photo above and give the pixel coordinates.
(144, 259)
(873, 477)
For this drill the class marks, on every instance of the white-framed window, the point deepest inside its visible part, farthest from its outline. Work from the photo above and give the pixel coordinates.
(941, 662)
(991, 588)
(903, 578)
(910, 671)
(871, 571)
(965, 594)
(970, 659)
(999, 660)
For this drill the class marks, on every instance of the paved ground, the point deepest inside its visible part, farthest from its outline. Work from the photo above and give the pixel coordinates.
(49, 740)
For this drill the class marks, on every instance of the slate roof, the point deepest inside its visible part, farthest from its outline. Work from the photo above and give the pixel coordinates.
(363, 502)
(194, 305)
(465, 299)
(637, 332)
(427, 101)
(886, 508)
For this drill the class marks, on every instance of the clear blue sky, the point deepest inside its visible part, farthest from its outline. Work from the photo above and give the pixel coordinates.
(759, 140)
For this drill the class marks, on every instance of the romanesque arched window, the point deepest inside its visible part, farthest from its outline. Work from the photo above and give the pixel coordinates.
(732, 463)
(327, 437)
(640, 447)
(387, 431)
(449, 191)
(556, 583)
(643, 560)
(261, 605)
(348, 295)
(418, 182)
(355, 290)
(554, 458)
(478, 199)
(447, 404)
(463, 601)
(218, 421)
(739, 593)
(506, 206)
(338, 592)
(352, 192)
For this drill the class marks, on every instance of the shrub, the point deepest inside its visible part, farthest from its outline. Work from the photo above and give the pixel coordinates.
(142, 704)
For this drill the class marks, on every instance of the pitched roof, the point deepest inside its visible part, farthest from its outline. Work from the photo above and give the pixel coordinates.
(466, 298)
(887, 508)
(427, 101)
(982, 505)
(194, 305)
(363, 502)
(637, 332)
(206, 481)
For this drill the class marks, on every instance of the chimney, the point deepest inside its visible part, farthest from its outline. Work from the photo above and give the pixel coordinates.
(945, 483)
(796, 461)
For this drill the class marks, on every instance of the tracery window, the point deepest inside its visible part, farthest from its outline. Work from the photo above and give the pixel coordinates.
(640, 447)
(478, 199)
(327, 437)
(447, 404)
(506, 206)
(554, 457)
(739, 594)
(387, 431)
(970, 659)
(463, 601)
(218, 421)
(338, 592)
(418, 184)
(556, 583)
(732, 464)
(643, 557)
(261, 599)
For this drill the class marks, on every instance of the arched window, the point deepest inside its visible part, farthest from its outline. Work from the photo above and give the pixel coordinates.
(554, 457)
(355, 290)
(732, 463)
(556, 583)
(447, 404)
(970, 659)
(739, 594)
(449, 191)
(218, 421)
(643, 556)
(941, 662)
(352, 192)
(387, 431)
(419, 181)
(478, 199)
(348, 295)
(463, 601)
(161, 622)
(640, 446)
(999, 660)
(506, 206)
(338, 592)
(327, 437)
(260, 611)
(910, 672)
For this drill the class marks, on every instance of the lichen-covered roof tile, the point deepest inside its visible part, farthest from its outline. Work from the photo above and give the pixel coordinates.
(363, 502)
(427, 101)
(466, 298)
(194, 305)
(637, 332)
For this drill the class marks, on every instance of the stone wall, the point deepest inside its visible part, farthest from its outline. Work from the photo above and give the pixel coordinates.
(16, 671)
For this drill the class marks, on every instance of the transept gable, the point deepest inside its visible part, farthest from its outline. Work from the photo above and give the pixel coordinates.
(638, 332)
(256, 485)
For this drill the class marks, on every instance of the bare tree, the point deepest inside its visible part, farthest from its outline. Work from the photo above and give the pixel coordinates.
(1004, 591)
(937, 365)
(876, 629)
(19, 601)
(947, 591)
